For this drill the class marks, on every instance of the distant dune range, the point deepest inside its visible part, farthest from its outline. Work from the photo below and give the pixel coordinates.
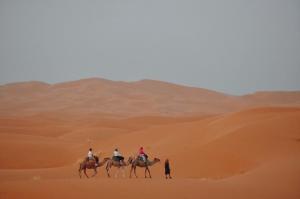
(219, 145)
(123, 99)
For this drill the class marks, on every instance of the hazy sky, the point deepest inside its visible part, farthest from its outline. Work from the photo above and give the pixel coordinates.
(233, 46)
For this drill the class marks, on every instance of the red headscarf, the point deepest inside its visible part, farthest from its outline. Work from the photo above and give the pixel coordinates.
(141, 151)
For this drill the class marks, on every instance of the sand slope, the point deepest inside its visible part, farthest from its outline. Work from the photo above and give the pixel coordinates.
(247, 149)
(220, 146)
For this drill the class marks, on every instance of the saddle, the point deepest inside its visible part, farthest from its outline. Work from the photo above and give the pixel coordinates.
(92, 161)
(141, 159)
(115, 158)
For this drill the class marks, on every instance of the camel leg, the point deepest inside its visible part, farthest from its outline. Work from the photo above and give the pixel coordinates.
(149, 172)
(107, 170)
(135, 171)
(85, 173)
(79, 171)
(81, 167)
(95, 172)
(147, 169)
(131, 169)
(122, 170)
(117, 173)
(130, 172)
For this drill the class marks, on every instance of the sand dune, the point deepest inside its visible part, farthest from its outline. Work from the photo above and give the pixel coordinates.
(220, 146)
(246, 149)
(129, 99)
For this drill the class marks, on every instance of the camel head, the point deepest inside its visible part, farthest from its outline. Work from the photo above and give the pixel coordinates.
(106, 159)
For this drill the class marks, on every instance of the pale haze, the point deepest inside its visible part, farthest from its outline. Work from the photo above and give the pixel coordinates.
(232, 46)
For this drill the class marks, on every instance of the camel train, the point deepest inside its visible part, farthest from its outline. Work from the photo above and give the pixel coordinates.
(92, 162)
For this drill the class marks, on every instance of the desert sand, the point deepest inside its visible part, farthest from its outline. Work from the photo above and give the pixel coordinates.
(219, 145)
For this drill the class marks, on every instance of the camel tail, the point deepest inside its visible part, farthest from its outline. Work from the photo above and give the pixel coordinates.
(79, 170)
(80, 167)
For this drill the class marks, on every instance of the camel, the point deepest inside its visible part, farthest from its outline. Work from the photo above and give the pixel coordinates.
(141, 163)
(117, 164)
(91, 165)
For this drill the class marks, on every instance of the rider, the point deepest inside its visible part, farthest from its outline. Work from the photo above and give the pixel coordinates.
(90, 156)
(142, 154)
(118, 156)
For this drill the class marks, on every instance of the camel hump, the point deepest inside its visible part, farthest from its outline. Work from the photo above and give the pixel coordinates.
(95, 159)
(91, 162)
(142, 159)
(115, 158)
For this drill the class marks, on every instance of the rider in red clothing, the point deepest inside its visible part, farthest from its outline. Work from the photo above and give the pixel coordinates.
(141, 151)
(142, 154)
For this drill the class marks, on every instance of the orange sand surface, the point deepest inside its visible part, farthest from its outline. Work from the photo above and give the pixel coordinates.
(219, 146)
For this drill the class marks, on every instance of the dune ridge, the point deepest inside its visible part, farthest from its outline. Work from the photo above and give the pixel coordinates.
(129, 99)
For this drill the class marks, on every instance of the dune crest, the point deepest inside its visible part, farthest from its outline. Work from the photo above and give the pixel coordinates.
(129, 99)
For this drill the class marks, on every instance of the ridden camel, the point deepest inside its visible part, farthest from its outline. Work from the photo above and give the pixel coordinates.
(117, 164)
(140, 163)
(91, 165)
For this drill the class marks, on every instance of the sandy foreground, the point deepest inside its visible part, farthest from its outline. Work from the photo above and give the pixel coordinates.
(250, 152)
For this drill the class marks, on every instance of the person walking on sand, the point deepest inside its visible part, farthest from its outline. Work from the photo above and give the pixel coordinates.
(167, 169)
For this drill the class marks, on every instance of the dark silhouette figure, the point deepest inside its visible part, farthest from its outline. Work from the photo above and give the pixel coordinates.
(167, 169)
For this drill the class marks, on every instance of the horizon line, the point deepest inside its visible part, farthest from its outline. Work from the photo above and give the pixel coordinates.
(141, 80)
